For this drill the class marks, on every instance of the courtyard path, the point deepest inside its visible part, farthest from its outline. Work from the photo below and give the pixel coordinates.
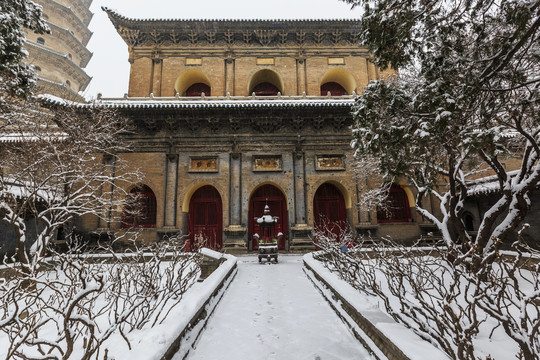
(273, 311)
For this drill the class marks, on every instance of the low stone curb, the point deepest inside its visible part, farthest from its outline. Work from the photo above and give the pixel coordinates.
(189, 335)
(364, 330)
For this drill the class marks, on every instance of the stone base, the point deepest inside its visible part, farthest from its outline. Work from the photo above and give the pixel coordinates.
(235, 248)
(235, 242)
(301, 241)
(301, 245)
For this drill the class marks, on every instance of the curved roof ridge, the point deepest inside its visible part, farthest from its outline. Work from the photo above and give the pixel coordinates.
(115, 13)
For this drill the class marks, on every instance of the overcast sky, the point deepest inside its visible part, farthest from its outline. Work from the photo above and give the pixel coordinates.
(109, 67)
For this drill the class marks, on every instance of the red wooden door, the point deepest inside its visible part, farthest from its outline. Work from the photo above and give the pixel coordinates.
(205, 225)
(329, 210)
(271, 195)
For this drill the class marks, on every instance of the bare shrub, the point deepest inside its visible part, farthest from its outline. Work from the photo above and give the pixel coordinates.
(77, 301)
(441, 299)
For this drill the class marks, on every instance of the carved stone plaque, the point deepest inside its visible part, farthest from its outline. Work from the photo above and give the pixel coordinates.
(265, 61)
(203, 164)
(336, 61)
(267, 163)
(329, 162)
(193, 61)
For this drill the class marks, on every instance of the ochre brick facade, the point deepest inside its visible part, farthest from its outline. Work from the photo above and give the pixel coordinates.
(211, 161)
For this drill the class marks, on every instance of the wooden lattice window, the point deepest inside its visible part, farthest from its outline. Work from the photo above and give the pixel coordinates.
(139, 208)
(396, 207)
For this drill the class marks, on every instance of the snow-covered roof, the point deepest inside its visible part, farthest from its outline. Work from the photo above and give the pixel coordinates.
(265, 32)
(211, 102)
(22, 191)
(115, 14)
(487, 185)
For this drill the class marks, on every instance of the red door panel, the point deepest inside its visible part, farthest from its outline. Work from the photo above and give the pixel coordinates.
(329, 210)
(205, 225)
(268, 194)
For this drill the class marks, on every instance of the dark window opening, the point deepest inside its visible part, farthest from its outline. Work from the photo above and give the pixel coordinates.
(139, 208)
(334, 88)
(197, 89)
(468, 221)
(265, 89)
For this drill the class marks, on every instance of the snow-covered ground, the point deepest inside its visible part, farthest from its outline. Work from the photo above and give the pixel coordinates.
(273, 311)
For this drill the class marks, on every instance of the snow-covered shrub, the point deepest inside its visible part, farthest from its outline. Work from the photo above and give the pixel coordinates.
(58, 165)
(78, 301)
(443, 301)
(463, 105)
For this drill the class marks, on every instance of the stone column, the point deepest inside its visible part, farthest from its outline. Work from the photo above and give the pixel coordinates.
(301, 81)
(235, 240)
(229, 76)
(235, 201)
(109, 169)
(170, 196)
(300, 213)
(300, 230)
(372, 71)
(157, 65)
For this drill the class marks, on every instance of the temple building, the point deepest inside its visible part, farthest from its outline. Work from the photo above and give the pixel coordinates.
(59, 58)
(234, 115)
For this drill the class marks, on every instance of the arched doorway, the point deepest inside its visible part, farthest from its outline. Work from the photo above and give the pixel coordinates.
(205, 219)
(139, 209)
(271, 195)
(396, 207)
(329, 211)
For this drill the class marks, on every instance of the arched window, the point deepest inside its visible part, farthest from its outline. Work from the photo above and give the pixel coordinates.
(265, 82)
(37, 68)
(68, 83)
(396, 207)
(334, 88)
(265, 89)
(70, 56)
(40, 41)
(139, 208)
(197, 90)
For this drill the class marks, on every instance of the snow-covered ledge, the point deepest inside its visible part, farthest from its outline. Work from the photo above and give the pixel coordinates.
(177, 334)
(371, 325)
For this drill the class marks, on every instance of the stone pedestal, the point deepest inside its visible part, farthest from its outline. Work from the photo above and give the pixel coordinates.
(302, 239)
(235, 240)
